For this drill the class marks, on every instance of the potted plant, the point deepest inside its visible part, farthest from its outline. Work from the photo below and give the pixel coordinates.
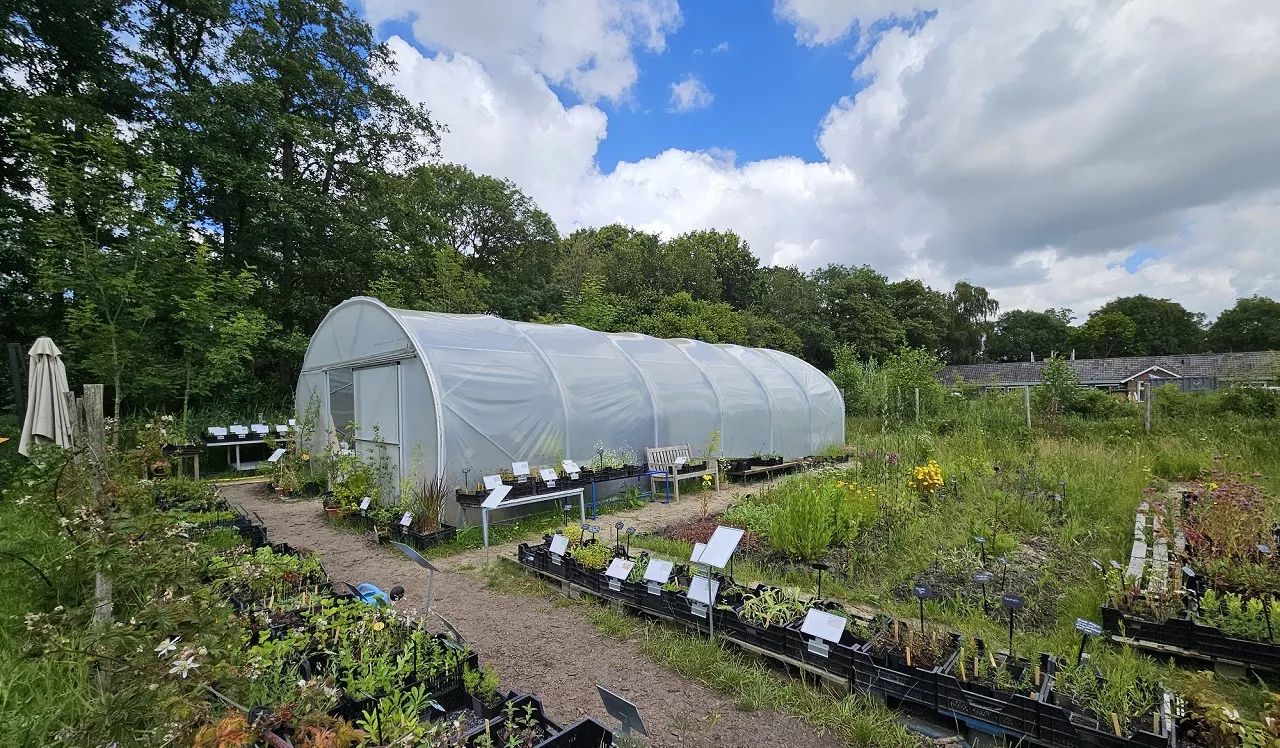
(482, 687)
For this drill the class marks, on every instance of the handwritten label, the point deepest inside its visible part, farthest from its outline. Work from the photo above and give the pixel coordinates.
(1088, 627)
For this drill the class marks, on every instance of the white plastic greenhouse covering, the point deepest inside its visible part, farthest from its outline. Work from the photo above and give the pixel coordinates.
(455, 392)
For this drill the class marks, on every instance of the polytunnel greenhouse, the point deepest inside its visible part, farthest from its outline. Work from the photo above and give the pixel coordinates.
(448, 393)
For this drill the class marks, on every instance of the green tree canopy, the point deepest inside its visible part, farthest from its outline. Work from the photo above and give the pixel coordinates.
(1253, 324)
(1161, 327)
(1020, 333)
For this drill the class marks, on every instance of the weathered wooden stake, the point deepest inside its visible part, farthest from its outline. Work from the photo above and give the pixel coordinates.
(917, 404)
(1146, 405)
(95, 440)
(1026, 402)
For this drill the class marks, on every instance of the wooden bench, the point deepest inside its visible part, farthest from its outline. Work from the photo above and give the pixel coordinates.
(670, 460)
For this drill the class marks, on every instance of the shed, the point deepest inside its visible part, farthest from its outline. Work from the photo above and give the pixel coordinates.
(448, 393)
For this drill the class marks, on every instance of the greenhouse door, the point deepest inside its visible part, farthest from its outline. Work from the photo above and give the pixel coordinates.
(377, 396)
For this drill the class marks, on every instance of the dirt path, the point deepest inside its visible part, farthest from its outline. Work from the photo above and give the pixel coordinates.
(537, 646)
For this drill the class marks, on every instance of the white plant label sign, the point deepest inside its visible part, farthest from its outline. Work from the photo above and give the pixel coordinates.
(823, 625)
(406, 519)
(703, 590)
(548, 475)
(559, 544)
(364, 504)
(520, 468)
(276, 455)
(492, 481)
(620, 568)
(657, 571)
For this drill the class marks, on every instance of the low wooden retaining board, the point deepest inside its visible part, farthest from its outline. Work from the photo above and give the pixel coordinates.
(943, 699)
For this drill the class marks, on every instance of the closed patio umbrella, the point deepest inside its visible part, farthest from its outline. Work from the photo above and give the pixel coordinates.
(47, 417)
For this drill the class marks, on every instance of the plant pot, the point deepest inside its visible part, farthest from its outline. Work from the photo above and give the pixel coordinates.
(333, 512)
(483, 710)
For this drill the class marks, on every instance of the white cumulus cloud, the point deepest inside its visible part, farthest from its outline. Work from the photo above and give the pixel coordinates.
(689, 94)
(1033, 152)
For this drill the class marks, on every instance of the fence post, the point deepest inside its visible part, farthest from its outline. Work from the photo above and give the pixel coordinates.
(1026, 402)
(1147, 393)
(917, 405)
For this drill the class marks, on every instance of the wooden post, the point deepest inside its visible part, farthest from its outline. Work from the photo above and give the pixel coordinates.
(1026, 402)
(917, 405)
(95, 440)
(1147, 392)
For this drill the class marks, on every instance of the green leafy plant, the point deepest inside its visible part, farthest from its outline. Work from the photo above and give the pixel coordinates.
(771, 606)
(482, 684)
(594, 556)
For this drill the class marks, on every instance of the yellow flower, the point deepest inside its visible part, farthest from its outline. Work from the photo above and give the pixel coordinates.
(306, 457)
(378, 625)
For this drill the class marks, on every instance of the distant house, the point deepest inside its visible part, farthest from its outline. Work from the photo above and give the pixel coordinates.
(1190, 372)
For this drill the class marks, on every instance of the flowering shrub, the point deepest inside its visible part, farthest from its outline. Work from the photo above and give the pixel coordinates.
(926, 479)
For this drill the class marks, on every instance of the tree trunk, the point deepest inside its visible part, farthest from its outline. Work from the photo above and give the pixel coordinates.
(287, 170)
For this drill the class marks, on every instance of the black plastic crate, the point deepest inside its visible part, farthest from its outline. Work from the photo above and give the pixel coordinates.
(891, 677)
(1207, 641)
(585, 734)
(1062, 723)
(838, 659)
(424, 540)
(1016, 713)
(518, 704)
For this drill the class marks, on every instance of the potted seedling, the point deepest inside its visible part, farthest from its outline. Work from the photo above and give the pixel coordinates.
(482, 687)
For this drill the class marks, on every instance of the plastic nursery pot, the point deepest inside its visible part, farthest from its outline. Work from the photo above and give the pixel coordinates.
(483, 710)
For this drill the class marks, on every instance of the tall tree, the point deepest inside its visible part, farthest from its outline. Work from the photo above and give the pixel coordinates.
(921, 311)
(794, 299)
(1161, 327)
(1020, 333)
(1105, 336)
(856, 302)
(972, 311)
(1253, 324)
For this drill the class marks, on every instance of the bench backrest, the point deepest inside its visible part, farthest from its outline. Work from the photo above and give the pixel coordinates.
(664, 456)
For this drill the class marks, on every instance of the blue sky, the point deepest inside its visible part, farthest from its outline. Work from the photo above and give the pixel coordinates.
(993, 141)
(771, 93)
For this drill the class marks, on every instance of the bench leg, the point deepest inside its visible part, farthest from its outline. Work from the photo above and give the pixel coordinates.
(675, 490)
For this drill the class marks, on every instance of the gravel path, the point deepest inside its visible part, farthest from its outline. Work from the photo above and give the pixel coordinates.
(536, 645)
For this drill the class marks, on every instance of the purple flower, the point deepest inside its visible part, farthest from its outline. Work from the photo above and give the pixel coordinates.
(891, 458)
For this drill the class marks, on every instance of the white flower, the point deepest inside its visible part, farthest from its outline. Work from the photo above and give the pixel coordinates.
(182, 667)
(167, 646)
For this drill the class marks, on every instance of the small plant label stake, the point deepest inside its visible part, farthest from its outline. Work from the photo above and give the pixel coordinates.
(823, 627)
(364, 504)
(548, 476)
(559, 544)
(276, 455)
(1086, 629)
(982, 548)
(406, 519)
(1013, 603)
(618, 571)
(571, 468)
(493, 501)
(623, 711)
(982, 578)
(492, 481)
(656, 574)
(819, 567)
(520, 470)
(922, 592)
